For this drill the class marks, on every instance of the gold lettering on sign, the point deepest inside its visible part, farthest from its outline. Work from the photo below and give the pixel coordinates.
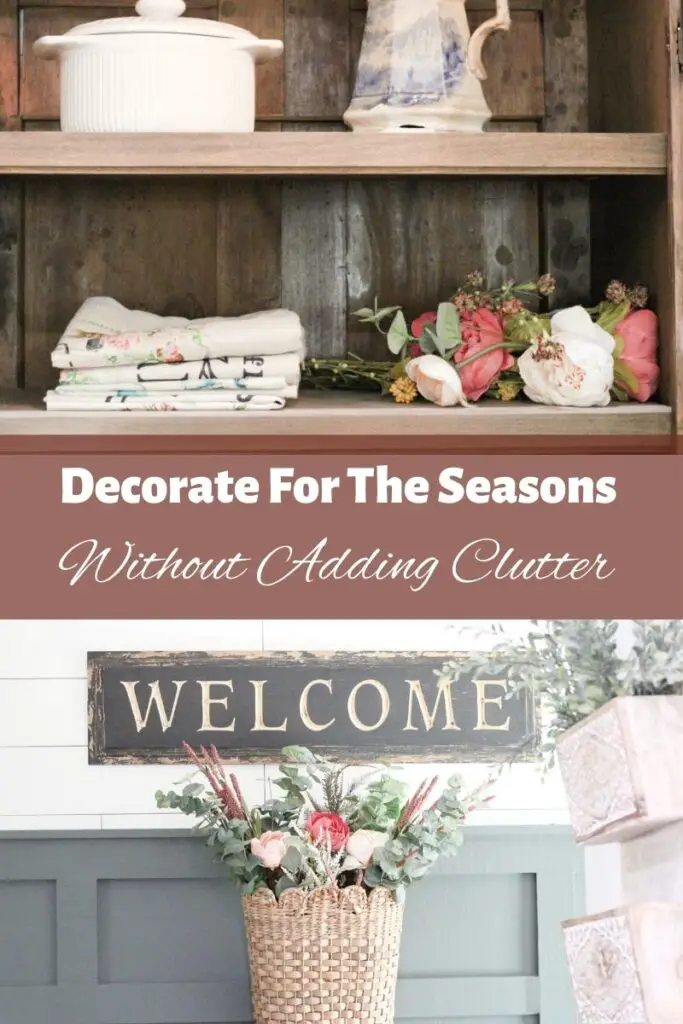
(207, 702)
(429, 718)
(384, 697)
(483, 702)
(155, 700)
(303, 705)
(259, 724)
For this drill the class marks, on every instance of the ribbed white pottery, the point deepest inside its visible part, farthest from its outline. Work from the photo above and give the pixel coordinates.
(157, 73)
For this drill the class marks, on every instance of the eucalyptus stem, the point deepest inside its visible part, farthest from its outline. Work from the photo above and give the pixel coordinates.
(349, 372)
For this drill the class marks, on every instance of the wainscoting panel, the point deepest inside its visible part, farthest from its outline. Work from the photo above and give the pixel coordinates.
(142, 928)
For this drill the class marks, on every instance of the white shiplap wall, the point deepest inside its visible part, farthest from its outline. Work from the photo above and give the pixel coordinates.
(46, 782)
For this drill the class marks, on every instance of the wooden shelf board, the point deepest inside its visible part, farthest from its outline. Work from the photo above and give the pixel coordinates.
(333, 153)
(344, 415)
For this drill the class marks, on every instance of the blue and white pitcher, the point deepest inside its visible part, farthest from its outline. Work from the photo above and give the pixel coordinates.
(419, 67)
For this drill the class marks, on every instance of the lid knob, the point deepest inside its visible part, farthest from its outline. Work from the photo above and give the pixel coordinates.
(160, 10)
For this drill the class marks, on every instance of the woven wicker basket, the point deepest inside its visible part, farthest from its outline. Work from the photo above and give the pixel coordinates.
(326, 956)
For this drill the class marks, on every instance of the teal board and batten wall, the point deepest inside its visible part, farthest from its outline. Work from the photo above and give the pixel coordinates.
(141, 928)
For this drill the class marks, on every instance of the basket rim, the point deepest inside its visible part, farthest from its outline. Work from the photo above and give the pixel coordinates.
(296, 902)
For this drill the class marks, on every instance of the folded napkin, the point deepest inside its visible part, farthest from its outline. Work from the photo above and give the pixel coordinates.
(201, 371)
(105, 333)
(192, 390)
(161, 402)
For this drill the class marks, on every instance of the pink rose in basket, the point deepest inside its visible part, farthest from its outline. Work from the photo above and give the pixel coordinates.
(481, 330)
(639, 332)
(269, 848)
(323, 826)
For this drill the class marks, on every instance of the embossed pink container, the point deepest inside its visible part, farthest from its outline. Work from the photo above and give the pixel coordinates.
(622, 768)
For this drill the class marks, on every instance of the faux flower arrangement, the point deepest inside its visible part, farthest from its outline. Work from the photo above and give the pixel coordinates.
(323, 830)
(489, 342)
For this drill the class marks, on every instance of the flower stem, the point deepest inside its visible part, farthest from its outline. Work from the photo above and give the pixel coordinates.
(512, 345)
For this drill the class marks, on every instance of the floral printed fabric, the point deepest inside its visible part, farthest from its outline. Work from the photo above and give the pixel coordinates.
(113, 358)
(199, 373)
(104, 333)
(185, 402)
(270, 385)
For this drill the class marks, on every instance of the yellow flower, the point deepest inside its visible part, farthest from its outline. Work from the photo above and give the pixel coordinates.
(508, 390)
(403, 390)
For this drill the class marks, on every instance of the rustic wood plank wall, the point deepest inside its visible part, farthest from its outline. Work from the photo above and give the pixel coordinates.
(10, 203)
(566, 205)
(322, 246)
(636, 224)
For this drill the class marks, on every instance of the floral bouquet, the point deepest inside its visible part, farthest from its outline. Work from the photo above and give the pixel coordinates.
(322, 869)
(491, 342)
(322, 830)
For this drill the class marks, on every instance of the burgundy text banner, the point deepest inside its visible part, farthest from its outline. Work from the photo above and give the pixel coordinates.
(341, 536)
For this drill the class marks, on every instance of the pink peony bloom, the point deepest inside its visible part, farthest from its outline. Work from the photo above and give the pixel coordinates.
(269, 848)
(323, 826)
(480, 330)
(420, 321)
(639, 332)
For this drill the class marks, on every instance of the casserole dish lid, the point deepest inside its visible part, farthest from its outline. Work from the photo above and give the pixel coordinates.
(164, 16)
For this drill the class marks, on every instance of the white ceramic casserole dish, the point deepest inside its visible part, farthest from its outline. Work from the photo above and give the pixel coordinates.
(157, 72)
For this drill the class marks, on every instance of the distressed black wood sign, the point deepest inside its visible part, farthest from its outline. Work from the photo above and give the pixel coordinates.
(392, 706)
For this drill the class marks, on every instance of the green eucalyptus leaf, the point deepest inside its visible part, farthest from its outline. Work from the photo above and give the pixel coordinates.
(373, 876)
(386, 311)
(299, 755)
(398, 334)
(389, 868)
(193, 789)
(431, 342)
(282, 884)
(428, 342)
(447, 327)
(292, 860)
(232, 845)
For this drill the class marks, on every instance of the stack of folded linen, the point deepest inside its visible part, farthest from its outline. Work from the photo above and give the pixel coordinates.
(112, 358)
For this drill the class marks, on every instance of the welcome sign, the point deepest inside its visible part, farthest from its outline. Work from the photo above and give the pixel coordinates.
(393, 706)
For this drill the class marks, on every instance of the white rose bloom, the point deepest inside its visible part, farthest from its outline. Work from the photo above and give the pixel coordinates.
(437, 380)
(574, 366)
(360, 846)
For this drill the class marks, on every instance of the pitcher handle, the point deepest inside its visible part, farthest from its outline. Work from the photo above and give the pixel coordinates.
(501, 22)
